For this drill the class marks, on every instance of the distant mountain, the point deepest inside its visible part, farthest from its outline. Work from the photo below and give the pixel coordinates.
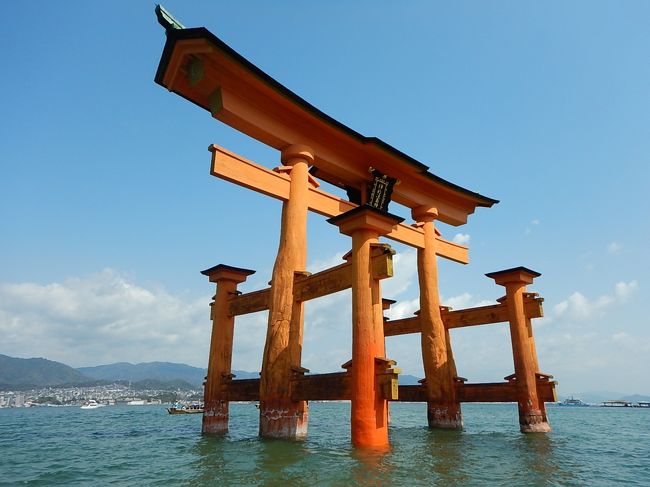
(161, 371)
(636, 398)
(17, 373)
(161, 385)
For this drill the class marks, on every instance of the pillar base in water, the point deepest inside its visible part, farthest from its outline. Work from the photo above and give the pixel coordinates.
(215, 418)
(533, 422)
(444, 416)
(284, 419)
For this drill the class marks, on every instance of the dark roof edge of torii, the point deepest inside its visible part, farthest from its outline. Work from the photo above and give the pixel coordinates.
(175, 34)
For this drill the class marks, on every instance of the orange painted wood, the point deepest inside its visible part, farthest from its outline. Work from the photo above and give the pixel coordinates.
(443, 409)
(337, 387)
(404, 326)
(240, 95)
(216, 414)
(481, 315)
(484, 315)
(316, 387)
(280, 417)
(249, 302)
(236, 169)
(322, 387)
(487, 392)
(369, 409)
(243, 390)
(312, 286)
(532, 413)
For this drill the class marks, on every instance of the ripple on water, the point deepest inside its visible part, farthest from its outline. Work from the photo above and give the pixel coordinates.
(146, 446)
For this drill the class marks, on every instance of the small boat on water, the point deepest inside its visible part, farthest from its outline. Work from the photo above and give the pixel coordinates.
(92, 404)
(193, 408)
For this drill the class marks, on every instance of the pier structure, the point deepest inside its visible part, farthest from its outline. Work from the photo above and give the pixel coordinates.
(312, 146)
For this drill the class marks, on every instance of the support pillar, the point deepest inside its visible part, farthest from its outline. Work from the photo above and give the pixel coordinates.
(280, 417)
(532, 414)
(215, 397)
(369, 420)
(443, 409)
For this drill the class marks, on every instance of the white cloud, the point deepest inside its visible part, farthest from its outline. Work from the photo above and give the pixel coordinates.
(614, 248)
(623, 290)
(461, 238)
(102, 318)
(528, 230)
(403, 309)
(579, 307)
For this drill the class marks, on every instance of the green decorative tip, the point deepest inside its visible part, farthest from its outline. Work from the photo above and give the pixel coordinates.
(167, 20)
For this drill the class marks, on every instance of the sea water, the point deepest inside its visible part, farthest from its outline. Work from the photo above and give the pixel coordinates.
(143, 445)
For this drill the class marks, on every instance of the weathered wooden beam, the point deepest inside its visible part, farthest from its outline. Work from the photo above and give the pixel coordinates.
(487, 392)
(235, 169)
(337, 386)
(322, 387)
(249, 303)
(482, 315)
(243, 390)
(313, 286)
(405, 326)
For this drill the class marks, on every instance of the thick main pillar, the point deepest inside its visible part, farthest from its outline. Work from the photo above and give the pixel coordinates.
(532, 414)
(369, 422)
(443, 409)
(215, 413)
(280, 417)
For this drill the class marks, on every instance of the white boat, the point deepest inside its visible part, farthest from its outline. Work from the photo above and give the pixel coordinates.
(136, 402)
(92, 404)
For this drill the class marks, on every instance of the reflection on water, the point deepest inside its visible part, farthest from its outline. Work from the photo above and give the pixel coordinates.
(371, 466)
(445, 448)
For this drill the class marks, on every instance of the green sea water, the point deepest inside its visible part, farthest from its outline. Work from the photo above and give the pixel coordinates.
(143, 445)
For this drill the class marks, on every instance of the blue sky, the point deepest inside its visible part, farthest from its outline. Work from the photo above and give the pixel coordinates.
(108, 211)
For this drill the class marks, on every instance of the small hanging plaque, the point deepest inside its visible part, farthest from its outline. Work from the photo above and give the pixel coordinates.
(381, 190)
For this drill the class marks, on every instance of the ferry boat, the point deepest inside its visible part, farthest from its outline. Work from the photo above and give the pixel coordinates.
(573, 402)
(617, 404)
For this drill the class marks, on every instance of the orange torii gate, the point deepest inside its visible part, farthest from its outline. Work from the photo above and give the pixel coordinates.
(201, 68)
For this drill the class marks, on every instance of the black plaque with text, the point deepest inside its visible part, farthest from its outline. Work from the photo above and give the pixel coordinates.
(381, 190)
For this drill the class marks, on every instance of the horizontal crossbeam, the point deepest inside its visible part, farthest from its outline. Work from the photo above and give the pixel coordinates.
(316, 387)
(234, 168)
(488, 392)
(338, 387)
(316, 285)
(461, 318)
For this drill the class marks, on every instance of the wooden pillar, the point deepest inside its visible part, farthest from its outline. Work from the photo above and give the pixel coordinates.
(215, 413)
(443, 409)
(280, 417)
(369, 422)
(532, 416)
